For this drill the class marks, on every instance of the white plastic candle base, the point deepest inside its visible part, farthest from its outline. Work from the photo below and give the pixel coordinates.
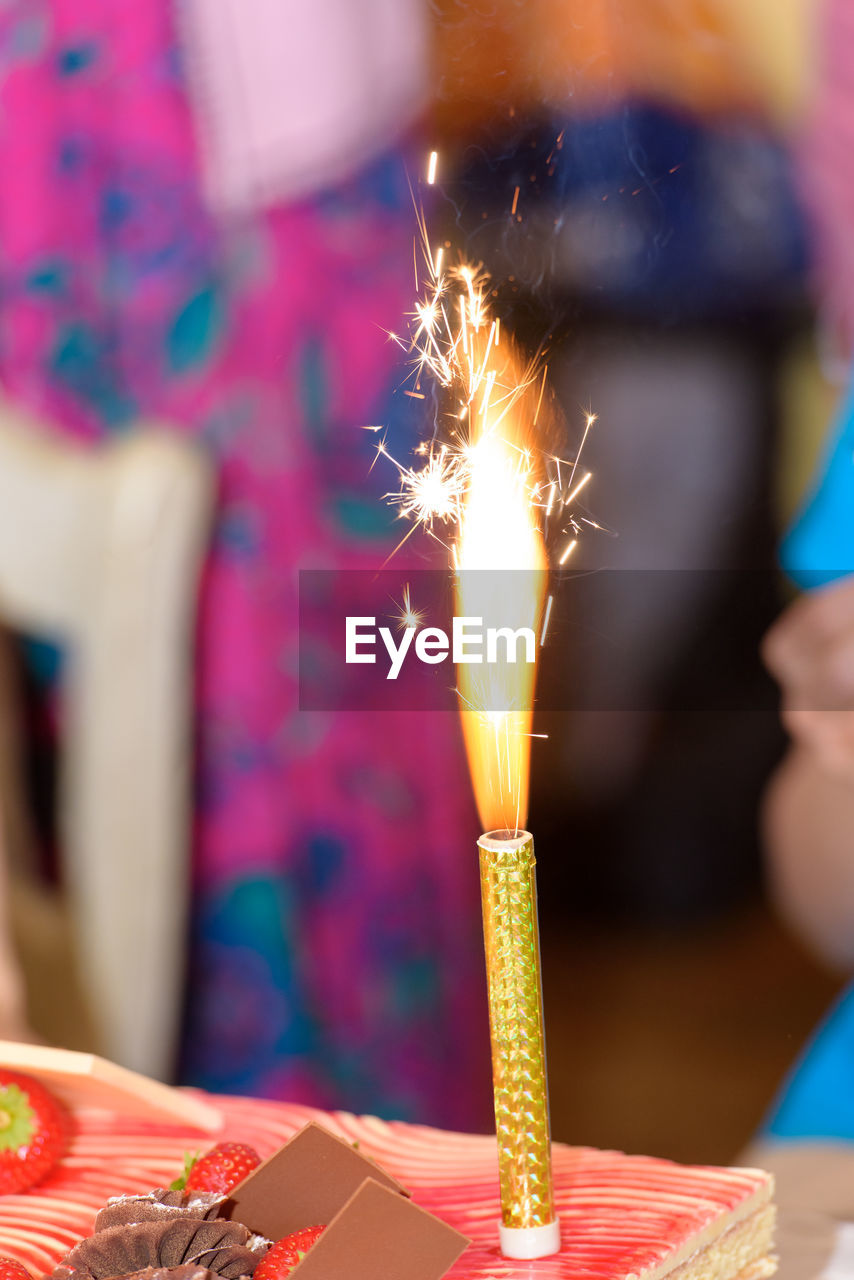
(530, 1242)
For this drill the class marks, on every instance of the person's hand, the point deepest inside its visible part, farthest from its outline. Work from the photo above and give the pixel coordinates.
(810, 650)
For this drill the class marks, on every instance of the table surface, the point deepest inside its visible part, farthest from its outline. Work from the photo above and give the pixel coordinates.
(815, 1202)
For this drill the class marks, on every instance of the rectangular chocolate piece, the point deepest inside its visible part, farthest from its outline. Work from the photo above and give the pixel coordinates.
(380, 1235)
(304, 1184)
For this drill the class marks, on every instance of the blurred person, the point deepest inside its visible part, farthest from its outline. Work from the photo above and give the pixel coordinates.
(809, 806)
(152, 268)
(809, 809)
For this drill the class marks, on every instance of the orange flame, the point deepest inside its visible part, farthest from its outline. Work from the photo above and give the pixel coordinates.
(500, 529)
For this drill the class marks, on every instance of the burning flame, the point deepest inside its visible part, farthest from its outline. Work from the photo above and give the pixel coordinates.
(500, 531)
(489, 487)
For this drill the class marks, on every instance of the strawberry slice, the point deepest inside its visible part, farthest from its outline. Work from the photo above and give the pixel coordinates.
(281, 1258)
(12, 1270)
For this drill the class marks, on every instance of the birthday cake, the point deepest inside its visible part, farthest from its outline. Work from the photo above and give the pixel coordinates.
(621, 1216)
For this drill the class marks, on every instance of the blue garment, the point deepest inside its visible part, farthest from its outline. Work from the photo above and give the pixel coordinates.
(817, 1100)
(819, 548)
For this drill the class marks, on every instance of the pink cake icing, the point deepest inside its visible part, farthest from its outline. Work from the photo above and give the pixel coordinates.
(622, 1216)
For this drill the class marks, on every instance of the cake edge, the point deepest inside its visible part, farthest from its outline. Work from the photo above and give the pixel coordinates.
(742, 1252)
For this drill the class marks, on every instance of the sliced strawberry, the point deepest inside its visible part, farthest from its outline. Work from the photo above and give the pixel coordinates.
(281, 1258)
(12, 1270)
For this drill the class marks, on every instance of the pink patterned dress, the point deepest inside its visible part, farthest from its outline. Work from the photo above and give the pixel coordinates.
(335, 955)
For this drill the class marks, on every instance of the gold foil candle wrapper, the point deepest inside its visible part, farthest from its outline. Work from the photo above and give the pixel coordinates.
(511, 938)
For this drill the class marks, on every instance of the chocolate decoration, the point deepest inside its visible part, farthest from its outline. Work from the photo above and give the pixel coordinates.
(113, 1253)
(123, 1250)
(304, 1184)
(158, 1206)
(187, 1271)
(373, 1230)
(381, 1235)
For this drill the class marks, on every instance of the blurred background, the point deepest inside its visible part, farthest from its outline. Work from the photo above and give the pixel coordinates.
(204, 232)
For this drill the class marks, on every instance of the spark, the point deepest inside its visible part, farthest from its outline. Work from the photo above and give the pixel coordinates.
(546, 616)
(542, 390)
(432, 492)
(490, 395)
(577, 490)
(408, 616)
(489, 484)
(591, 418)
